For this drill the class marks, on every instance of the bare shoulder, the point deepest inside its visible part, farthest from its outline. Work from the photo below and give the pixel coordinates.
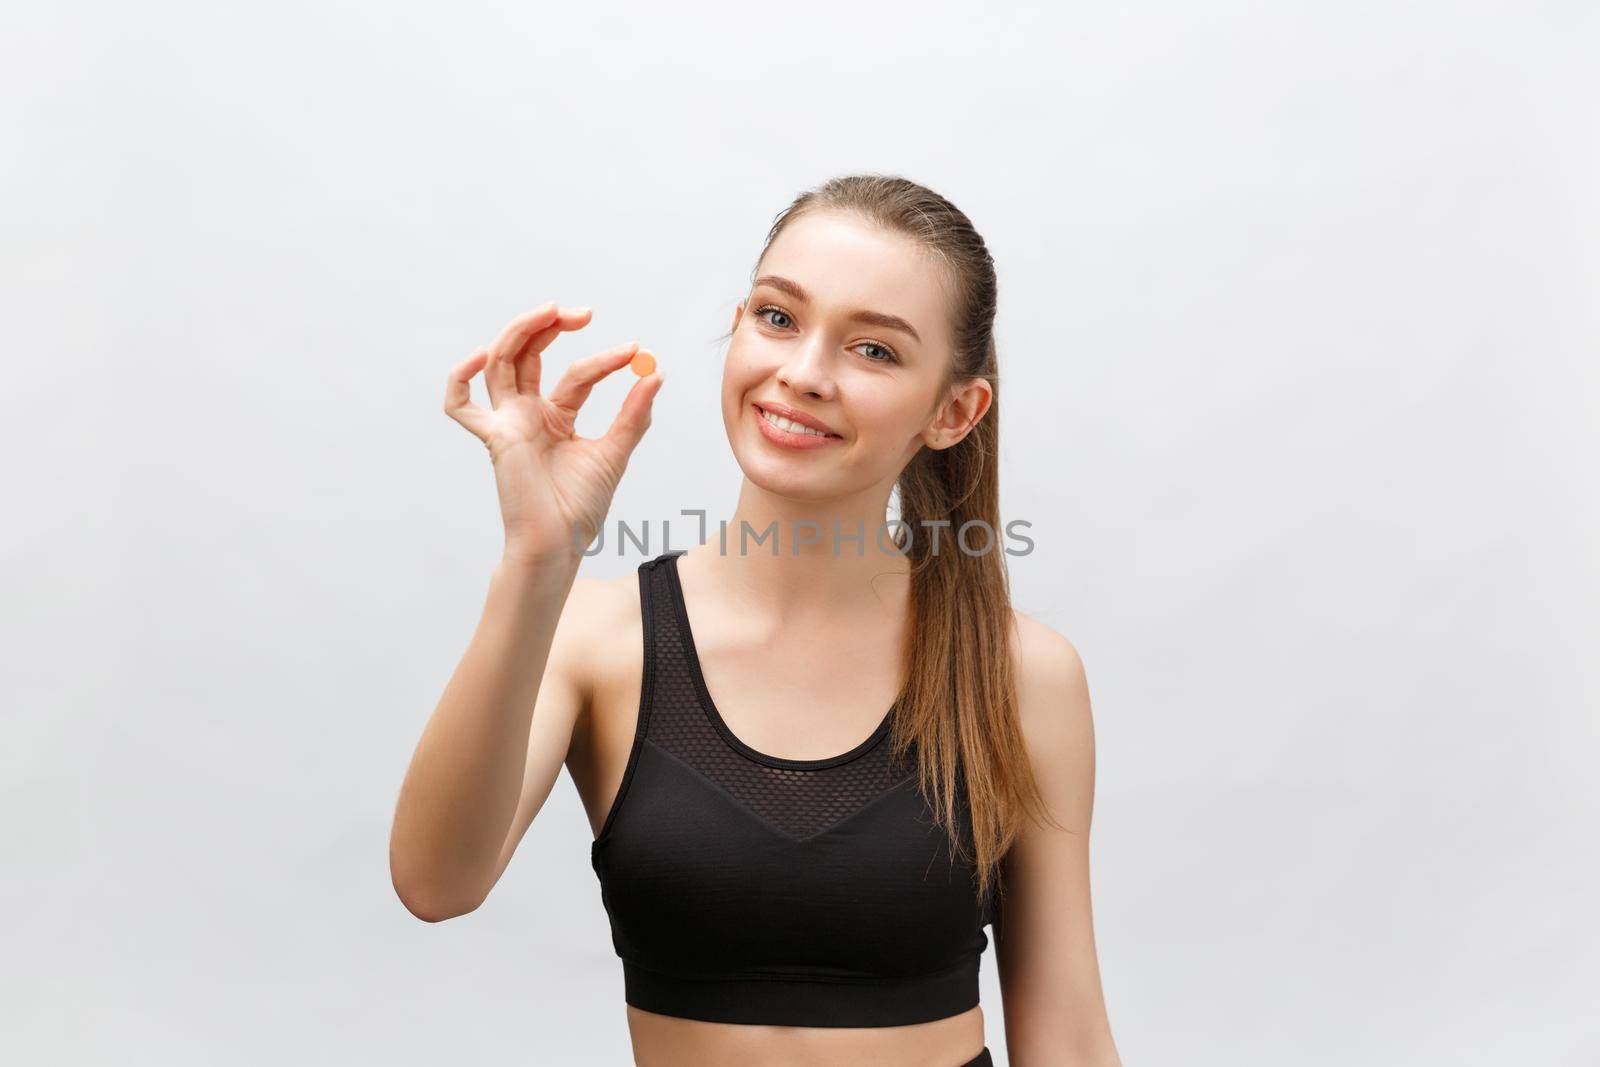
(1050, 674)
(598, 612)
(1055, 715)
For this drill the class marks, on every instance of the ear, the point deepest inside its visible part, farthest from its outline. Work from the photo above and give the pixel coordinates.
(967, 403)
(738, 313)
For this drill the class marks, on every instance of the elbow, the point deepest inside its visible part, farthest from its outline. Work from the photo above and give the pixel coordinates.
(427, 900)
(434, 909)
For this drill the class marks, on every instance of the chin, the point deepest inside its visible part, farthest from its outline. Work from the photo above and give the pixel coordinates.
(785, 477)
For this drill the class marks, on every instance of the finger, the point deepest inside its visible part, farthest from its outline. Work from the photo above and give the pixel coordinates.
(528, 360)
(500, 375)
(458, 394)
(573, 388)
(626, 430)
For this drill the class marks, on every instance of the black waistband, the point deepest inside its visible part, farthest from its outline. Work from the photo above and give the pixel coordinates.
(804, 1002)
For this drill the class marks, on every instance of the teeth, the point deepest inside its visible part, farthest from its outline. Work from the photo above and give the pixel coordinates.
(785, 424)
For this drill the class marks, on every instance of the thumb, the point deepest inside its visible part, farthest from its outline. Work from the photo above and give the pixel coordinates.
(627, 429)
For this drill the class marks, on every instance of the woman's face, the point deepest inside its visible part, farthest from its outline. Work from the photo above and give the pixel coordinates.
(846, 324)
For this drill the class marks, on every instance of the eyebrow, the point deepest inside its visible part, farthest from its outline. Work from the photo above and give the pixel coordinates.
(874, 318)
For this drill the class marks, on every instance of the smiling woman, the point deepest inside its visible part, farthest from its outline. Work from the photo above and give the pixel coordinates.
(791, 874)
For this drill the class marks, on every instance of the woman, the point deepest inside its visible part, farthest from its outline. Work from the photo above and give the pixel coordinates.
(792, 876)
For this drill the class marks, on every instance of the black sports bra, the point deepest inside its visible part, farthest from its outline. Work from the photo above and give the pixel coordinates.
(745, 888)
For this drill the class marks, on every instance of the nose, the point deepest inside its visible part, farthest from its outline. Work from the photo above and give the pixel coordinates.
(806, 371)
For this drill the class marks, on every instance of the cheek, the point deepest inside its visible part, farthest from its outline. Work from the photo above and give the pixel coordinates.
(886, 412)
(741, 382)
(751, 351)
(748, 366)
(739, 373)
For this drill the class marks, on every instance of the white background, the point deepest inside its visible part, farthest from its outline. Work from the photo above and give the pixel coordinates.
(1298, 345)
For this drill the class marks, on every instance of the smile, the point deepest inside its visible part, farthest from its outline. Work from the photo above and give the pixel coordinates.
(784, 424)
(787, 433)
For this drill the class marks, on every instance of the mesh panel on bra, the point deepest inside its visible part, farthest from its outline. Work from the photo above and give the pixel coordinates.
(801, 801)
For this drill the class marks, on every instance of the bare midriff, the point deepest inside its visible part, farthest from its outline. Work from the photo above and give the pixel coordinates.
(667, 1041)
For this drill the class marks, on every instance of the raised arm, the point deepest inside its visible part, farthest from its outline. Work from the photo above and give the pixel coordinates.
(492, 748)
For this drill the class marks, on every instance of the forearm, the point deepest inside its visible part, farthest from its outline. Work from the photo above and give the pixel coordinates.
(462, 788)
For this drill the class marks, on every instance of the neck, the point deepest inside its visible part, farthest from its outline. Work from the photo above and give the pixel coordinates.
(812, 571)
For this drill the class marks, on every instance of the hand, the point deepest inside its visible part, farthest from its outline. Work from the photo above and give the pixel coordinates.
(551, 481)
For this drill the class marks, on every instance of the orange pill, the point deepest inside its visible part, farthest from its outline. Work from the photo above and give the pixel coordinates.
(643, 362)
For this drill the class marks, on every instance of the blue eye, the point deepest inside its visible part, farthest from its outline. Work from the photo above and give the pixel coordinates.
(769, 307)
(890, 356)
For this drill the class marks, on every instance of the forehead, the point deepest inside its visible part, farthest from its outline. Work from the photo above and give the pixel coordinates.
(846, 262)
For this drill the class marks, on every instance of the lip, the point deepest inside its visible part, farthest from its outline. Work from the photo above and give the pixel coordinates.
(796, 416)
(787, 439)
